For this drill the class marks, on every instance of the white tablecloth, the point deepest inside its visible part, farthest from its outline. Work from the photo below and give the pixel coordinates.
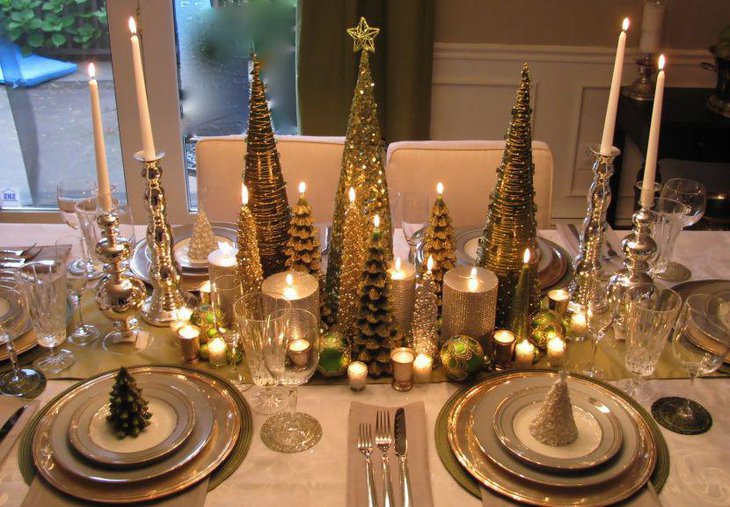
(699, 474)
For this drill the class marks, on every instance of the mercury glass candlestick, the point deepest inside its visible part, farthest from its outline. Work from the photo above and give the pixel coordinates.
(301, 289)
(189, 338)
(504, 346)
(403, 293)
(402, 360)
(558, 300)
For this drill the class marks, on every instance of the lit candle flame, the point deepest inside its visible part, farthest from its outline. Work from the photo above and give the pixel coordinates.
(625, 25)
(473, 282)
(352, 195)
(429, 263)
(132, 26)
(302, 188)
(376, 221)
(662, 61)
(440, 189)
(226, 249)
(397, 263)
(526, 256)
(92, 71)
(244, 195)
(473, 272)
(289, 279)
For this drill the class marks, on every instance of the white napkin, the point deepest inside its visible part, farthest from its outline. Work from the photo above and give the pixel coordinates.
(8, 406)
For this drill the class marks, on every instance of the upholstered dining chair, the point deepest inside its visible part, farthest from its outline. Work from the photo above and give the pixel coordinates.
(468, 170)
(314, 160)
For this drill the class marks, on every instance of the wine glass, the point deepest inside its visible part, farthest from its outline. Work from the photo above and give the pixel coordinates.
(414, 206)
(70, 192)
(650, 314)
(292, 360)
(75, 247)
(601, 306)
(225, 290)
(669, 220)
(693, 195)
(19, 381)
(700, 343)
(262, 317)
(43, 285)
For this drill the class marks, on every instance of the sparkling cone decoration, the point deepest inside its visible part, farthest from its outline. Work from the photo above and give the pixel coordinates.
(265, 181)
(202, 240)
(375, 327)
(362, 164)
(249, 269)
(511, 226)
(302, 249)
(128, 414)
(555, 424)
(425, 315)
(439, 243)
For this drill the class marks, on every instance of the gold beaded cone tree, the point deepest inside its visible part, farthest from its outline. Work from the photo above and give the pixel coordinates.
(362, 163)
(376, 329)
(302, 249)
(511, 225)
(425, 317)
(249, 270)
(439, 244)
(264, 179)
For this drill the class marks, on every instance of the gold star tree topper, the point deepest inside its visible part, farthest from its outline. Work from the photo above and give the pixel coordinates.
(364, 36)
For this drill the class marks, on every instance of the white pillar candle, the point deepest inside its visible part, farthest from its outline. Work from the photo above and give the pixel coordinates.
(298, 351)
(556, 351)
(301, 289)
(357, 374)
(403, 290)
(102, 171)
(469, 303)
(652, 19)
(143, 110)
(647, 186)
(524, 353)
(222, 261)
(609, 123)
(422, 368)
(217, 352)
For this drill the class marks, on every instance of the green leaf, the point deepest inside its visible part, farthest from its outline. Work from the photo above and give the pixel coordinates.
(35, 40)
(13, 24)
(34, 24)
(15, 34)
(58, 39)
(17, 16)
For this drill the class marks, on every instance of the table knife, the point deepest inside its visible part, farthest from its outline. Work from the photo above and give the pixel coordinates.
(11, 422)
(401, 448)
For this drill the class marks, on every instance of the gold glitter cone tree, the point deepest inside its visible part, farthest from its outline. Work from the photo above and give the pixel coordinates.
(302, 249)
(202, 239)
(362, 163)
(511, 225)
(375, 326)
(264, 179)
(249, 269)
(439, 244)
(425, 317)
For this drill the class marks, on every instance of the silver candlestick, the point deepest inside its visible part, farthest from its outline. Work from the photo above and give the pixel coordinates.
(593, 235)
(642, 89)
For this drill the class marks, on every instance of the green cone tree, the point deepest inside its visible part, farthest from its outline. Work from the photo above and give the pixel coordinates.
(439, 244)
(128, 412)
(302, 249)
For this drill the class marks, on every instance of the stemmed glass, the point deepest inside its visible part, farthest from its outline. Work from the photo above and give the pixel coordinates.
(670, 217)
(262, 318)
(414, 218)
(83, 334)
(225, 290)
(693, 195)
(700, 343)
(43, 285)
(292, 360)
(650, 314)
(19, 381)
(69, 193)
(601, 305)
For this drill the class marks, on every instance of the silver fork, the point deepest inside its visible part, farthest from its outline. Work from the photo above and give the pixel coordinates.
(384, 439)
(20, 252)
(365, 446)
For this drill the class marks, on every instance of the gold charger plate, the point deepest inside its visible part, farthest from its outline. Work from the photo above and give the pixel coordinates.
(467, 451)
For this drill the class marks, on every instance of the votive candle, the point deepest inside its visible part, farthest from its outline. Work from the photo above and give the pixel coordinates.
(357, 374)
(402, 361)
(524, 353)
(189, 338)
(504, 344)
(183, 318)
(217, 352)
(422, 368)
(578, 324)
(298, 351)
(558, 300)
(556, 351)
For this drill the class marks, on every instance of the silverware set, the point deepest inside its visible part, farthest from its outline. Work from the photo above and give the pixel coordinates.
(385, 437)
(17, 257)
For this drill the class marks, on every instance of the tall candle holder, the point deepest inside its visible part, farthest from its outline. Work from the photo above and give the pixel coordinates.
(642, 89)
(161, 307)
(593, 235)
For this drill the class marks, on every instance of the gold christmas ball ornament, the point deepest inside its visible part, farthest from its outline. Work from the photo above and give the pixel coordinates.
(544, 325)
(461, 356)
(334, 354)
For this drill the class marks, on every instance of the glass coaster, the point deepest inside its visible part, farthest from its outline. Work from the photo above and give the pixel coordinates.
(675, 272)
(666, 412)
(291, 432)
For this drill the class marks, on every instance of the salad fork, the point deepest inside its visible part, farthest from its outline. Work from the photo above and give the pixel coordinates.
(384, 439)
(365, 446)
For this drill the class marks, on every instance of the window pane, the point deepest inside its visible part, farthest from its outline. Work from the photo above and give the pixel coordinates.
(45, 113)
(214, 39)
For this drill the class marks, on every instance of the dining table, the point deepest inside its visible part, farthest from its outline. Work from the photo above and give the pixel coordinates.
(699, 473)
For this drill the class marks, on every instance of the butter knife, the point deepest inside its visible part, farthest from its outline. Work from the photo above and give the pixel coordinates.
(401, 448)
(11, 422)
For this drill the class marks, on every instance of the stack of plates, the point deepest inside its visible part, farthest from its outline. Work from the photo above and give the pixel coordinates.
(194, 427)
(488, 432)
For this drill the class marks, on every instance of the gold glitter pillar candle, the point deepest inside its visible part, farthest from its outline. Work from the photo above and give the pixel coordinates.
(403, 293)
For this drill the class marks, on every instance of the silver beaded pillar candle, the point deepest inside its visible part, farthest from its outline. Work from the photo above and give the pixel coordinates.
(161, 307)
(593, 234)
(301, 289)
(402, 293)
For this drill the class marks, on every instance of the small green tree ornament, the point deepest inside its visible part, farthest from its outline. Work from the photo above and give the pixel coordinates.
(302, 249)
(128, 412)
(439, 243)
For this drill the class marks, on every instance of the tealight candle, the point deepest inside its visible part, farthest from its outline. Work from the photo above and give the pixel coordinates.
(558, 300)
(578, 324)
(403, 293)
(189, 338)
(402, 361)
(222, 261)
(301, 289)
(298, 351)
(183, 317)
(469, 303)
(422, 367)
(357, 374)
(504, 344)
(524, 353)
(217, 352)
(556, 351)
(204, 291)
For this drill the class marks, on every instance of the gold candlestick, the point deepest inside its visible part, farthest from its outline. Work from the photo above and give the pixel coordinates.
(161, 307)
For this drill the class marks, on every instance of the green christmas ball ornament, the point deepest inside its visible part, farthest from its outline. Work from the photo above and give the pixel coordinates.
(461, 356)
(203, 353)
(544, 325)
(334, 354)
(204, 317)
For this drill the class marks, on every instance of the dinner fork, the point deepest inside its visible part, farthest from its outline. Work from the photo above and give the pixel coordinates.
(384, 439)
(365, 446)
(19, 252)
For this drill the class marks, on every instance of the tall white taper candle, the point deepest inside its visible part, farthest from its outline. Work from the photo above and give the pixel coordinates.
(647, 186)
(102, 171)
(609, 123)
(145, 125)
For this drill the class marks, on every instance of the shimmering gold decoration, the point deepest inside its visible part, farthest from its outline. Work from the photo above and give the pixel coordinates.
(249, 269)
(511, 226)
(439, 244)
(364, 36)
(362, 168)
(518, 316)
(302, 249)
(264, 179)
(425, 317)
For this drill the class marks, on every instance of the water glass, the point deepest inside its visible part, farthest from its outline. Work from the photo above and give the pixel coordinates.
(43, 285)
(601, 305)
(74, 247)
(69, 193)
(414, 214)
(670, 220)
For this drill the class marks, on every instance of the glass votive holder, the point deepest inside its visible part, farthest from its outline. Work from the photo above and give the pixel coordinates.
(357, 374)
(298, 351)
(183, 319)
(204, 291)
(189, 338)
(556, 352)
(504, 345)
(558, 301)
(402, 361)
(217, 352)
(524, 354)
(577, 324)
(422, 368)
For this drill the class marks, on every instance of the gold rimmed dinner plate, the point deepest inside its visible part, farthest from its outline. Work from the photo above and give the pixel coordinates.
(172, 422)
(716, 288)
(485, 469)
(224, 434)
(599, 431)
